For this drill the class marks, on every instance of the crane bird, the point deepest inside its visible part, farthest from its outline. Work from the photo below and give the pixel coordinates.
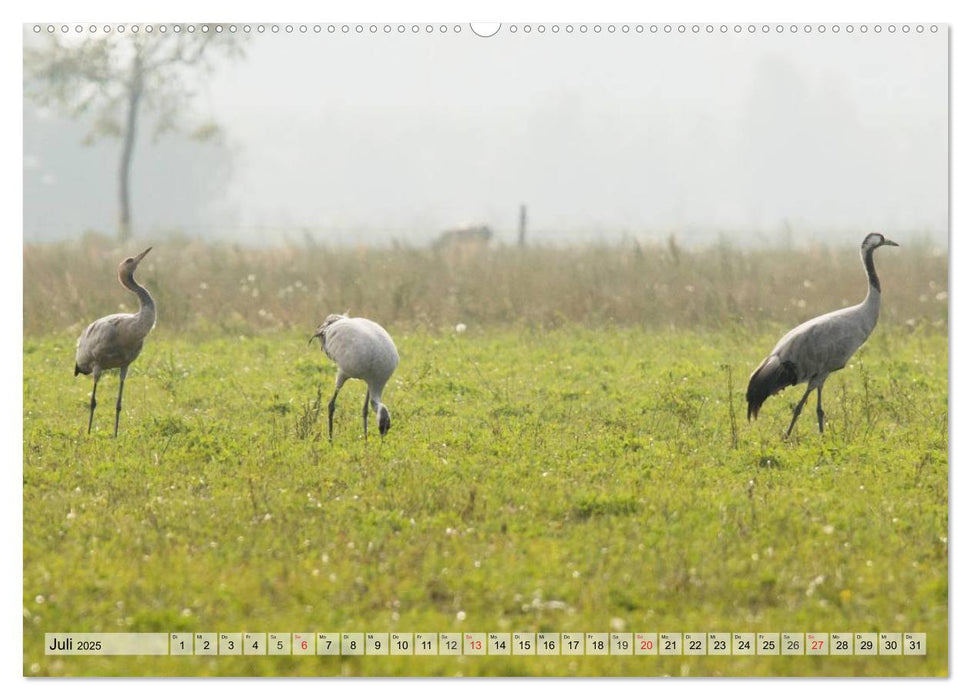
(811, 351)
(115, 340)
(362, 350)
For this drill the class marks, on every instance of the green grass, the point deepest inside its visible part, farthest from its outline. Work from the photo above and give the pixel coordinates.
(574, 479)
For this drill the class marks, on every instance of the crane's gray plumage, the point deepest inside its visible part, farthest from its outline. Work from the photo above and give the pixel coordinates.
(362, 350)
(115, 340)
(813, 350)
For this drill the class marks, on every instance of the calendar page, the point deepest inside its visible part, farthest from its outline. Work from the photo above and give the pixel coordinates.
(465, 349)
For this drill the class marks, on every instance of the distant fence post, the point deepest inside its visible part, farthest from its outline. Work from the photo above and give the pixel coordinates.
(522, 225)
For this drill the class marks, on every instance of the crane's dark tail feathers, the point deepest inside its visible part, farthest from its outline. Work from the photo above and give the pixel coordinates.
(384, 420)
(78, 370)
(771, 377)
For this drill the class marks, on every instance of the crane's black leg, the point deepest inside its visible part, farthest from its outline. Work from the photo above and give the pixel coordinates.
(367, 400)
(798, 410)
(819, 407)
(331, 406)
(94, 390)
(121, 388)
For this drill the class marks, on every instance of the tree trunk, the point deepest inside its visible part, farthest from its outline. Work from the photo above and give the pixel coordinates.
(128, 150)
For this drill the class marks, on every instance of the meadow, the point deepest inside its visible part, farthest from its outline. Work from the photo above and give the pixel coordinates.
(577, 460)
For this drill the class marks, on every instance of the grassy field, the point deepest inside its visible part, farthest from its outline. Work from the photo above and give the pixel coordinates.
(572, 471)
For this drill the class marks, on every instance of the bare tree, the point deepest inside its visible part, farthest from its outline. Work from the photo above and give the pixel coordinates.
(113, 78)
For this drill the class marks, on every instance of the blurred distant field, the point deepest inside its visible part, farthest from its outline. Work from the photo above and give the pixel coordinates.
(577, 460)
(225, 289)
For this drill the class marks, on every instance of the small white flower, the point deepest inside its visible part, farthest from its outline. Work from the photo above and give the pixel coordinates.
(460, 615)
(460, 328)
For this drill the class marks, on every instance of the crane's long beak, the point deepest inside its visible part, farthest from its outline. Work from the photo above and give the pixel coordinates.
(887, 241)
(138, 258)
(313, 337)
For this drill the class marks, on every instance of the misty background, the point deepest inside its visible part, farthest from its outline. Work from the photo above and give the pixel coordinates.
(373, 138)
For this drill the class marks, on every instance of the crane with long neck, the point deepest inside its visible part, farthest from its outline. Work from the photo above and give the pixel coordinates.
(115, 341)
(811, 351)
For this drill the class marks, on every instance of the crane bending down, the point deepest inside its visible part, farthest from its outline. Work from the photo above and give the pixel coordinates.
(362, 350)
(820, 346)
(116, 340)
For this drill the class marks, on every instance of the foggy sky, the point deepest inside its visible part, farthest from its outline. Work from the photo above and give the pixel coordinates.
(372, 137)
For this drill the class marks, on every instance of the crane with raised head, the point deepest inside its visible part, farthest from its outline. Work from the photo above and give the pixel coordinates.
(115, 341)
(813, 350)
(362, 350)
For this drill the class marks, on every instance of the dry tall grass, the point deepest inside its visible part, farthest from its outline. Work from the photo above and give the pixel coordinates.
(230, 289)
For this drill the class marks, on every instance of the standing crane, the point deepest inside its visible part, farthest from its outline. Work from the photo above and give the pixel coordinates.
(115, 340)
(362, 350)
(811, 351)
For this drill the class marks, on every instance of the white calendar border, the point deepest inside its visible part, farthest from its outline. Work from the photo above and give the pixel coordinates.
(603, 10)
